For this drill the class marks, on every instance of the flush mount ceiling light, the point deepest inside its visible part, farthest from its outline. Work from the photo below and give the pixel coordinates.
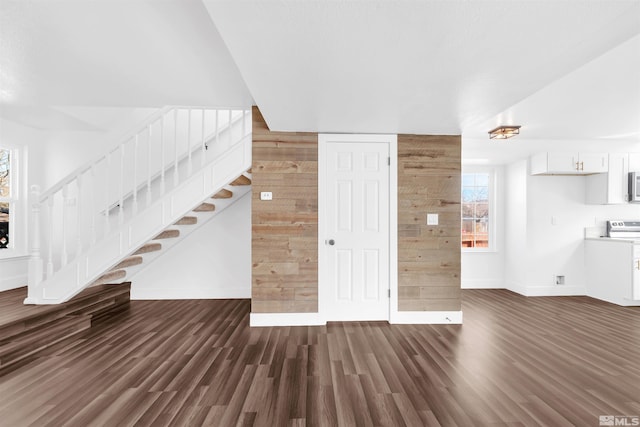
(504, 132)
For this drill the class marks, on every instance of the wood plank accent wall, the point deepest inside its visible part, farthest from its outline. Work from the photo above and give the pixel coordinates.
(284, 230)
(429, 169)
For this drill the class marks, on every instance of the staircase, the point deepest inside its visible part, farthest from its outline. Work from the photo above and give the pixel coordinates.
(175, 233)
(174, 173)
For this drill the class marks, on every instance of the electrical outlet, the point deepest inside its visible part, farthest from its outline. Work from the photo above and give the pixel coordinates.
(432, 219)
(559, 280)
(266, 195)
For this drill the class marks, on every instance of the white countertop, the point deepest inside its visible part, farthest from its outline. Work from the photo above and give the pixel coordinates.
(633, 241)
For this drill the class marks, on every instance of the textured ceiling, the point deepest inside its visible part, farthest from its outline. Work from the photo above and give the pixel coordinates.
(436, 67)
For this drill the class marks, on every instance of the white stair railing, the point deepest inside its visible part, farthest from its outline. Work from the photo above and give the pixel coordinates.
(103, 198)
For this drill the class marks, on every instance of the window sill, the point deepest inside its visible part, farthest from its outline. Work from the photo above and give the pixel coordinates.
(478, 250)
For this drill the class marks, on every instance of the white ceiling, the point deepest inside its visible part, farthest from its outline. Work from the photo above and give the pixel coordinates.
(410, 66)
(561, 69)
(110, 53)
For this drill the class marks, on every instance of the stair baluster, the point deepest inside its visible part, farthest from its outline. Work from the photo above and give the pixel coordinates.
(149, 154)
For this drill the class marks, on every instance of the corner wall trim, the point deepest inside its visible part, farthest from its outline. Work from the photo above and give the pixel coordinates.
(427, 317)
(286, 319)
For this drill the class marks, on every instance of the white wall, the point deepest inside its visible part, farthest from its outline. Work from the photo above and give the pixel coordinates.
(485, 270)
(544, 232)
(56, 154)
(516, 214)
(213, 262)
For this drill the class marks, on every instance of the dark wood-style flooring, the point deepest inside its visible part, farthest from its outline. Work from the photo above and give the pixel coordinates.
(516, 361)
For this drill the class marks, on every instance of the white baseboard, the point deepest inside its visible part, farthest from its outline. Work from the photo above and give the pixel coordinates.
(482, 284)
(13, 272)
(186, 293)
(286, 319)
(427, 317)
(13, 282)
(547, 291)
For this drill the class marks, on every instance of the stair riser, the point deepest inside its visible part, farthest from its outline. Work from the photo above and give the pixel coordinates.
(37, 340)
(76, 305)
(55, 329)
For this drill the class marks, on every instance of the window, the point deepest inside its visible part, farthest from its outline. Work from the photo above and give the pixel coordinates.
(476, 210)
(6, 197)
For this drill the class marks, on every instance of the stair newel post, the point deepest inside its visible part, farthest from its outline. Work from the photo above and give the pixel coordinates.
(135, 174)
(35, 259)
(204, 143)
(51, 228)
(64, 256)
(94, 207)
(121, 210)
(176, 179)
(162, 160)
(149, 167)
(190, 164)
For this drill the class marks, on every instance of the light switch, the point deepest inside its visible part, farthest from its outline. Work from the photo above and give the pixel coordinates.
(432, 219)
(266, 195)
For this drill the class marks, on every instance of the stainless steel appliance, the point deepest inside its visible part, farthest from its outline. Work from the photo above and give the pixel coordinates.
(634, 187)
(623, 229)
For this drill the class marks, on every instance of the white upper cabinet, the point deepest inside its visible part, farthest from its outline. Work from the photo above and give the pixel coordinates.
(634, 162)
(565, 163)
(612, 187)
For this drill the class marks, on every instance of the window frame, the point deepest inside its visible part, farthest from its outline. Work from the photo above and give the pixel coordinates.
(17, 230)
(492, 207)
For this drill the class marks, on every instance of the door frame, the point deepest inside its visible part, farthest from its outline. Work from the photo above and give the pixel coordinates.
(323, 277)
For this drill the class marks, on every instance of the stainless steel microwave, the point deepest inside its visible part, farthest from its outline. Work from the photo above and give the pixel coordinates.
(634, 187)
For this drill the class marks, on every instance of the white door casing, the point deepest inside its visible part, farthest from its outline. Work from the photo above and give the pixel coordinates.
(354, 227)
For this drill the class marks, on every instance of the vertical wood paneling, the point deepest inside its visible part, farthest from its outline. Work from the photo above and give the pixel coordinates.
(285, 229)
(428, 256)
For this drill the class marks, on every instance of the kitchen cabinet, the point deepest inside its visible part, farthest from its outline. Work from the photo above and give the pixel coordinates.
(613, 270)
(569, 163)
(612, 187)
(634, 162)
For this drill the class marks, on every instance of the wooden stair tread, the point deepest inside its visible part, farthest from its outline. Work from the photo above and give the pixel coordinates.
(223, 194)
(128, 262)
(148, 247)
(205, 207)
(110, 277)
(187, 220)
(241, 180)
(167, 234)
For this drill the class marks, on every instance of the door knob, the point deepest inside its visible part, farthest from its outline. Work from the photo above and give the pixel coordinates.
(331, 242)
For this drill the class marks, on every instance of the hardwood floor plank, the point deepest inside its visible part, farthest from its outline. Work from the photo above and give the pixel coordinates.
(515, 362)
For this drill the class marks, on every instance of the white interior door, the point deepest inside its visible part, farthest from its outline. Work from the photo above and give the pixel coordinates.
(355, 224)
